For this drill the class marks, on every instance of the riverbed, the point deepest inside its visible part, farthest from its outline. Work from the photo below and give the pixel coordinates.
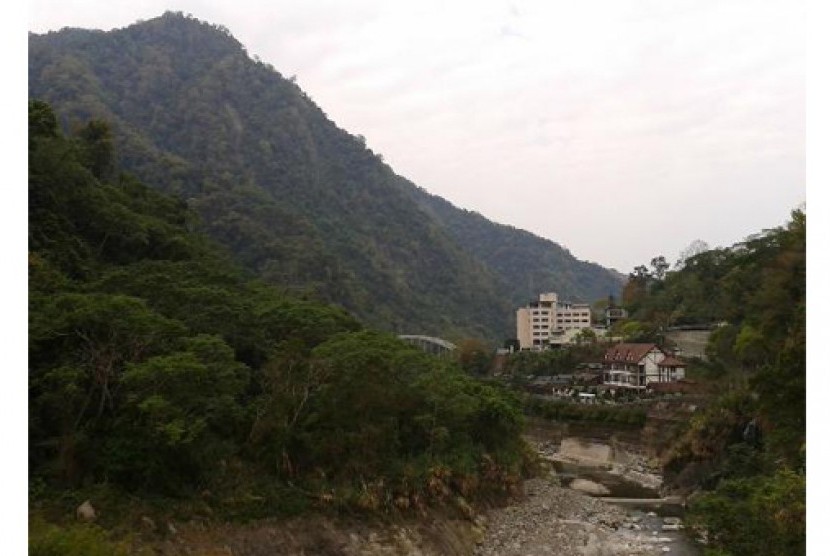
(558, 521)
(617, 466)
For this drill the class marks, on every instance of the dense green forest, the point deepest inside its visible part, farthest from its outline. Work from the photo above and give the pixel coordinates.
(159, 368)
(529, 263)
(295, 199)
(747, 449)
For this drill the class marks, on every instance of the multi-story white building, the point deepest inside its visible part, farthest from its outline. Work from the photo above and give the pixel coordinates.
(547, 320)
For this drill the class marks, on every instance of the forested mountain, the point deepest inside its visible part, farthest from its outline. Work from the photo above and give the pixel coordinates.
(528, 263)
(158, 370)
(299, 201)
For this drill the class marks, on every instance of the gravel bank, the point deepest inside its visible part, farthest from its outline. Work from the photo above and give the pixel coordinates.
(552, 520)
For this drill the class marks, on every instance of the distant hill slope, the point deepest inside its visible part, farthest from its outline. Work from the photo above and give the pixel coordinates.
(298, 200)
(528, 263)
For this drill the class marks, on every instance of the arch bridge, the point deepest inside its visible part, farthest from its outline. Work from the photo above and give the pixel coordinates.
(429, 344)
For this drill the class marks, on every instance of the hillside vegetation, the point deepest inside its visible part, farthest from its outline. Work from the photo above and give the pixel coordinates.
(159, 370)
(295, 199)
(746, 451)
(528, 263)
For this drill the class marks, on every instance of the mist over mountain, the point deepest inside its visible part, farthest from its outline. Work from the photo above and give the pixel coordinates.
(297, 200)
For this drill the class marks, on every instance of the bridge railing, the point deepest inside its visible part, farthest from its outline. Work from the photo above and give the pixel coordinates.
(429, 344)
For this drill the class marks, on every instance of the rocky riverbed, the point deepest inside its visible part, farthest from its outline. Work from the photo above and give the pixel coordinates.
(552, 520)
(634, 468)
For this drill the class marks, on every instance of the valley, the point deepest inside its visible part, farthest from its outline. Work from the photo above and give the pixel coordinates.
(248, 335)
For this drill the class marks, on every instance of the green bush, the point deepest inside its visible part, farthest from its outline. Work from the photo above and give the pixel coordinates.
(74, 540)
(570, 411)
(759, 515)
(365, 409)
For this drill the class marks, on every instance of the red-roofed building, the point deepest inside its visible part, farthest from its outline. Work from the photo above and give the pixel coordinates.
(637, 365)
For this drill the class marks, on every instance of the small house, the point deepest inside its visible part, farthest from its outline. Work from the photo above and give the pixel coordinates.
(630, 365)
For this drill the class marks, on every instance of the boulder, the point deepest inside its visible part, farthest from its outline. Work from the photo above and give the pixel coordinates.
(148, 523)
(589, 487)
(86, 512)
(586, 452)
(671, 520)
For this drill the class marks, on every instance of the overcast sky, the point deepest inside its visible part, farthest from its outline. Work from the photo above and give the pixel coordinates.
(619, 129)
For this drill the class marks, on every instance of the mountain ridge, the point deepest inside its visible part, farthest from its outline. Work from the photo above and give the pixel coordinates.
(297, 199)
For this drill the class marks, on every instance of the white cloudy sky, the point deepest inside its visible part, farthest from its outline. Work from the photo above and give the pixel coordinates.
(620, 129)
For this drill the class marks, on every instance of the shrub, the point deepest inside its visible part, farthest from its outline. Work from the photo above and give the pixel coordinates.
(759, 515)
(75, 540)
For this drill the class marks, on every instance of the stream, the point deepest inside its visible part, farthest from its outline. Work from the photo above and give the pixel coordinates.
(614, 458)
(648, 515)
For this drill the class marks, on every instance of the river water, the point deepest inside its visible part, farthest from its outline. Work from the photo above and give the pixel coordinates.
(650, 516)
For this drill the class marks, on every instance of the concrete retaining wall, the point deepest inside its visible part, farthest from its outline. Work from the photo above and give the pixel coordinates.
(692, 343)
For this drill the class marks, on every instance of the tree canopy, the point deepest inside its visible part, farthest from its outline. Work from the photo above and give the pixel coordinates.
(747, 449)
(159, 367)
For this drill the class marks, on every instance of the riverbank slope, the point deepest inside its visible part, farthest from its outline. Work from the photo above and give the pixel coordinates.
(545, 519)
